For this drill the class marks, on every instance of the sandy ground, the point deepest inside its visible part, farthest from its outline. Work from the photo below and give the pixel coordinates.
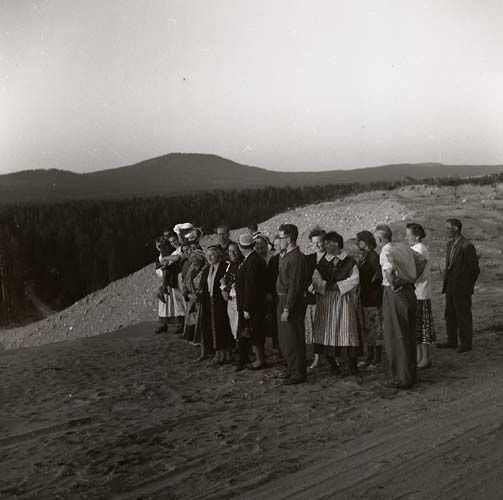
(130, 415)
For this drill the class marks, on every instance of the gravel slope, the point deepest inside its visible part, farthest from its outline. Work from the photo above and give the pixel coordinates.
(132, 299)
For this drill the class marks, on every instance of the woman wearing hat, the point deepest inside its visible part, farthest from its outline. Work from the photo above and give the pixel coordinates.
(170, 296)
(192, 292)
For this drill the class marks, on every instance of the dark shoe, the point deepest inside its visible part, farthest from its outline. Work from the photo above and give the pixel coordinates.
(395, 385)
(263, 366)
(240, 368)
(445, 345)
(161, 329)
(464, 349)
(294, 381)
(425, 367)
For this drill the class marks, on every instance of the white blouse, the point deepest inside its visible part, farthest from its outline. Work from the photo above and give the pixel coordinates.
(423, 283)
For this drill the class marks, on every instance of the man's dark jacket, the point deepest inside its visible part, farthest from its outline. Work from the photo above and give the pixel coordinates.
(251, 285)
(460, 278)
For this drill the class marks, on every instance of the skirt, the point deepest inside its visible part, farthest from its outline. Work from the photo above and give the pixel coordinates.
(309, 322)
(232, 312)
(174, 305)
(424, 323)
(336, 325)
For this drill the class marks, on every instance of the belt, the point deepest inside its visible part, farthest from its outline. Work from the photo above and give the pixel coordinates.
(282, 294)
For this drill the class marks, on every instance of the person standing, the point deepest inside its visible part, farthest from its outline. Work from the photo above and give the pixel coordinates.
(216, 328)
(290, 286)
(371, 293)
(192, 292)
(461, 273)
(224, 240)
(414, 234)
(400, 266)
(228, 286)
(272, 294)
(336, 327)
(317, 238)
(251, 290)
(262, 247)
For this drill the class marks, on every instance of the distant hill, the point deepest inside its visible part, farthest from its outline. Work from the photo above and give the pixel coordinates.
(180, 173)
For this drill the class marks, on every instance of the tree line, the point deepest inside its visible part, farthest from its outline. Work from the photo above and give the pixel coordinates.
(60, 252)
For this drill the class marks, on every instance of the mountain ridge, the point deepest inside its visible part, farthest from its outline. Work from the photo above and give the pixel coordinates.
(183, 173)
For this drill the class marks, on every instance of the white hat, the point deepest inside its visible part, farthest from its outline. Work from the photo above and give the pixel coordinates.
(183, 227)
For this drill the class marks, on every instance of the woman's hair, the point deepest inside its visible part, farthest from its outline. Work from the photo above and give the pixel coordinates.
(235, 245)
(265, 239)
(217, 249)
(416, 230)
(335, 237)
(368, 238)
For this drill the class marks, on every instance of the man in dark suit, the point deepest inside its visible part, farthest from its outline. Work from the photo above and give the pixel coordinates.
(461, 273)
(292, 282)
(251, 291)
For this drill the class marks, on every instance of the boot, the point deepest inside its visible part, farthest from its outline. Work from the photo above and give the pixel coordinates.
(370, 355)
(243, 356)
(378, 355)
(353, 369)
(181, 324)
(162, 328)
(335, 369)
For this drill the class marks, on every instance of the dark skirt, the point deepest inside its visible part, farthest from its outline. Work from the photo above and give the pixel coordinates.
(425, 329)
(221, 333)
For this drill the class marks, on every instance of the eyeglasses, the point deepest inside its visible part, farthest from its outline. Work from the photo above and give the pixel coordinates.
(283, 237)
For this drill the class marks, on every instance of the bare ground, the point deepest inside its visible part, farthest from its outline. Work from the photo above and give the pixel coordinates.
(129, 415)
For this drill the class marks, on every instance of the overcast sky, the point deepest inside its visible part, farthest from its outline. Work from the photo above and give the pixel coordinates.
(281, 84)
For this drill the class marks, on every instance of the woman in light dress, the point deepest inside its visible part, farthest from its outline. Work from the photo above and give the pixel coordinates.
(425, 329)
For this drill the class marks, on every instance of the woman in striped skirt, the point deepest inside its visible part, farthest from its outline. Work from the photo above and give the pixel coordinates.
(336, 326)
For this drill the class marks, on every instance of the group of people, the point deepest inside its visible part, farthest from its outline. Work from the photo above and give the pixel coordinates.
(228, 297)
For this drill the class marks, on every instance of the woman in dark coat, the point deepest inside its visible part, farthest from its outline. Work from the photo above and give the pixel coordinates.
(217, 334)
